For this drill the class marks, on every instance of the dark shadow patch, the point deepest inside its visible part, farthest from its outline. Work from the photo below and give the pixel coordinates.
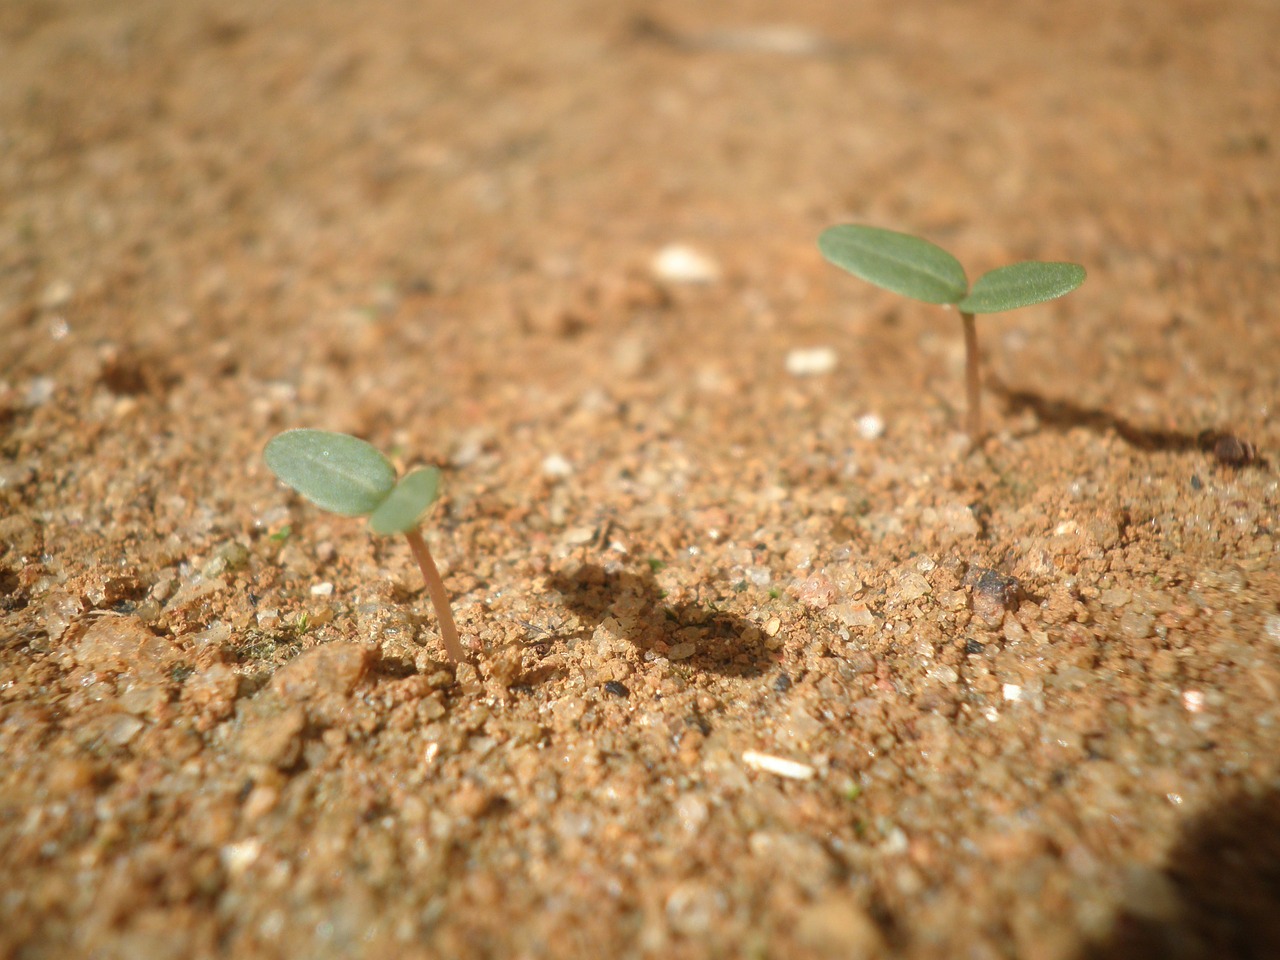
(127, 372)
(395, 668)
(12, 596)
(1219, 896)
(1064, 415)
(727, 644)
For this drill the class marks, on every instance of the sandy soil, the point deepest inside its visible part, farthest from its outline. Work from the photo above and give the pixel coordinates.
(694, 524)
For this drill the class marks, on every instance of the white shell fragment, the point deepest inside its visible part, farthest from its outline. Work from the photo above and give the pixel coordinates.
(556, 467)
(810, 361)
(677, 263)
(870, 426)
(778, 766)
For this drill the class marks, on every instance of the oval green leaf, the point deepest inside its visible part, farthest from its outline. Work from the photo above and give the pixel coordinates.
(1020, 285)
(403, 509)
(898, 262)
(336, 471)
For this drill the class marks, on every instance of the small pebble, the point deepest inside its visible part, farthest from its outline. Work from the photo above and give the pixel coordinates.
(781, 39)
(912, 586)
(616, 689)
(838, 927)
(273, 740)
(261, 800)
(39, 392)
(556, 467)
(853, 614)
(1137, 626)
(682, 651)
(121, 729)
(1234, 452)
(14, 476)
(779, 766)
(677, 263)
(693, 812)
(1271, 627)
(810, 362)
(870, 426)
(692, 908)
(239, 857)
(234, 555)
(1013, 631)
(333, 669)
(57, 295)
(993, 594)
(782, 684)
(816, 591)
(944, 674)
(950, 522)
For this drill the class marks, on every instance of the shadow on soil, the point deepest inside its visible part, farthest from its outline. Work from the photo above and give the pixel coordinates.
(1223, 896)
(724, 643)
(1063, 415)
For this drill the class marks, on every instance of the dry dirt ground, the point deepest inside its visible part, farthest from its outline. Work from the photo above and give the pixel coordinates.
(699, 512)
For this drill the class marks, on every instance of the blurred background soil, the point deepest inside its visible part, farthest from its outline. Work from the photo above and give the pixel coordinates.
(768, 662)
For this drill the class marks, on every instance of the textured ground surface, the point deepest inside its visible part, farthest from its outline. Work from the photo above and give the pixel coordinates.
(1033, 690)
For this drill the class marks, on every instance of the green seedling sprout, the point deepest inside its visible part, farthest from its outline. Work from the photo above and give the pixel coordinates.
(916, 268)
(345, 475)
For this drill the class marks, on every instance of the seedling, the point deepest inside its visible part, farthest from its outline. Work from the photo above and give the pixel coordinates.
(916, 268)
(345, 475)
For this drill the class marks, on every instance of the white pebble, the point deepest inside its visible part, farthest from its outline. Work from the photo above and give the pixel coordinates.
(870, 426)
(693, 908)
(911, 586)
(677, 263)
(322, 589)
(557, 467)
(39, 392)
(778, 766)
(693, 812)
(1011, 691)
(1271, 626)
(895, 842)
(239, 857)
(810, 361)
(853, 614)
(682, 651)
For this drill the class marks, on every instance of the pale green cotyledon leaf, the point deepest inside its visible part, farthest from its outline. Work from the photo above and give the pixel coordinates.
(336, 471)
(895, 261)
(1020, 285)
(403, 509)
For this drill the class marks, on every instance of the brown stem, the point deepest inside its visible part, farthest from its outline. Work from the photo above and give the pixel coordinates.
(439, 598)
(972, 386)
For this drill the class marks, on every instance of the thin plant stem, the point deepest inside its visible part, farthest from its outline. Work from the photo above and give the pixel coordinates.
(439, 598)
(972, 385)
